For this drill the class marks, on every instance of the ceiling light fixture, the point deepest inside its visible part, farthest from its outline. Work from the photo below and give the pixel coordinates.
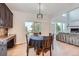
(39, 14)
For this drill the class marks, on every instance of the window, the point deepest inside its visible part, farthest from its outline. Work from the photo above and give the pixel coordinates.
(61, 27)
(32, 27)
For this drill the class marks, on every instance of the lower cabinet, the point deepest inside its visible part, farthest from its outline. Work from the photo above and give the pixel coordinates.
(3, 49)
(69, 38)
(7, 44)
(10, 43)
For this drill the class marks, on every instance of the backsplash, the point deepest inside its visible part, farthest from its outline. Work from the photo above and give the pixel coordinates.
(3, 32)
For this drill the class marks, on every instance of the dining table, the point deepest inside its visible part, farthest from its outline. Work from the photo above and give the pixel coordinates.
(37, 42)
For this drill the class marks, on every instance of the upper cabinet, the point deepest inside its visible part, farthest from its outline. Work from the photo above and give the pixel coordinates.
(2, 15)
(6, 16)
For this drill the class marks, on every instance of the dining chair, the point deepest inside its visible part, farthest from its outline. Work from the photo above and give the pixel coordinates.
(28, 46)
(47, 44)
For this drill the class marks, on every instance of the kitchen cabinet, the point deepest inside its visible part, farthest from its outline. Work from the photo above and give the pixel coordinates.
(10, 20)
(3, 49)
(2, 15)
(6, 43)
(6, 16)
(11, 42)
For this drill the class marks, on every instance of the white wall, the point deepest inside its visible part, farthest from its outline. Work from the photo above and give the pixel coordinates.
(18, 25)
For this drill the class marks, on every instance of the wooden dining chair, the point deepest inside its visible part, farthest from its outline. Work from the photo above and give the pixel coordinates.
(28, 46)
(47, 44)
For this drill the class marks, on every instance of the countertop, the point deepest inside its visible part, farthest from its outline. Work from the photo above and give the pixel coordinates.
(7, 38)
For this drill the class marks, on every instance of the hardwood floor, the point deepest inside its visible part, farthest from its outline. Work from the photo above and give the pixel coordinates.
(20, 50)
(60, 49)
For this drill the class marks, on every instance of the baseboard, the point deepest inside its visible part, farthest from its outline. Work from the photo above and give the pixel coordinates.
(20, 43)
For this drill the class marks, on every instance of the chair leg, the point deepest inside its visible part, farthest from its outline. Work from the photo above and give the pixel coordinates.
(42, 52)
(50, 51)
(27, 51)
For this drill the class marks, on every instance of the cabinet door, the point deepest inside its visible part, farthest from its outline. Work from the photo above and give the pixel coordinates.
(2, 15)
(7, 17)
(10, 20)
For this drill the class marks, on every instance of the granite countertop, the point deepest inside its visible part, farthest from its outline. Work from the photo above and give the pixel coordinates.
(6, 38)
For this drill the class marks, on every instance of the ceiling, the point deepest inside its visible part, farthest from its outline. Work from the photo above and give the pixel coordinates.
(49, 9)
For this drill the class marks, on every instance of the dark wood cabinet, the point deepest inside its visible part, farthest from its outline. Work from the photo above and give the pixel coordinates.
(10, 20)
(6, 16)
(11, 42)
(2, 15)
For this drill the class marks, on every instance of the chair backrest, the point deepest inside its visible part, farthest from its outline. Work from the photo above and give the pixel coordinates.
(48, 41)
